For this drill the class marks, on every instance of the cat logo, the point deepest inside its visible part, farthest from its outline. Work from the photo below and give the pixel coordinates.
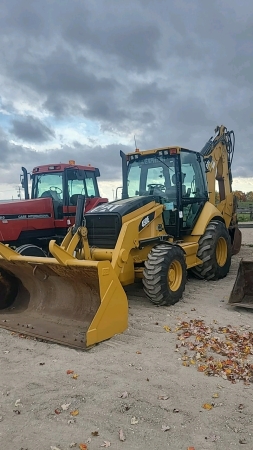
(145, 221)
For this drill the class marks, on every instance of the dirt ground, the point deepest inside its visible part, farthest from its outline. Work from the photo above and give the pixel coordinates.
(142, 362)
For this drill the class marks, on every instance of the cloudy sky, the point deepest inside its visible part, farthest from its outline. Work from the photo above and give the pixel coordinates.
(80, 78)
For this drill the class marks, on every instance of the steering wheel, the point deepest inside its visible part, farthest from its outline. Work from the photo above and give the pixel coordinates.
(56, 189)
(158, 186)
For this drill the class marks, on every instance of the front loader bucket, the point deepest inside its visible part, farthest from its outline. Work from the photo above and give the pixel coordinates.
(242, 292)
(76, 303)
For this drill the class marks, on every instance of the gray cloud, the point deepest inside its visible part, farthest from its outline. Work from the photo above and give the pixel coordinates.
(172, 70)
(107, 158)
(32, 130)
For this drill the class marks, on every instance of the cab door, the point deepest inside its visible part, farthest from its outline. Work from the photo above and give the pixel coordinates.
(194, 190)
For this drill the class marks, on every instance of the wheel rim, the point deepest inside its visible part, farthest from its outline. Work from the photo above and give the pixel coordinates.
(221, 251)
(175, 275)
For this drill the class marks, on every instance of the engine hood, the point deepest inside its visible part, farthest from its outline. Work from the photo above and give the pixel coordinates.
(124, 207)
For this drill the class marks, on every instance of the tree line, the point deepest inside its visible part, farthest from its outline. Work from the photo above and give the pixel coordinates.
(242, 196)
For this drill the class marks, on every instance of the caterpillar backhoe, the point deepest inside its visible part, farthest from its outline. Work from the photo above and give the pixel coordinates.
(166, 223)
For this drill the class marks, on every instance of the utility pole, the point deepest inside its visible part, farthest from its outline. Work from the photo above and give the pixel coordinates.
(19, 192)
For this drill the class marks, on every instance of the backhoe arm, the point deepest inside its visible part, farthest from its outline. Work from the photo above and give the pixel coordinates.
(218, 156)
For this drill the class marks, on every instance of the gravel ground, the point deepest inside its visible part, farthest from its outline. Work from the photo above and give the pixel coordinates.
(143, 364)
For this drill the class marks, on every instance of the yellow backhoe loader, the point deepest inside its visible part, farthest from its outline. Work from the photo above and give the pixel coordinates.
(166, 223)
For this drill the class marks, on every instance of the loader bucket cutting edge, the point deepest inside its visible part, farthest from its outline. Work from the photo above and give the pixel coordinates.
(242, 292)
(77, 305)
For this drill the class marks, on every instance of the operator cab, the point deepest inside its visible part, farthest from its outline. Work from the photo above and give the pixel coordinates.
(176, 176)
(63, 183)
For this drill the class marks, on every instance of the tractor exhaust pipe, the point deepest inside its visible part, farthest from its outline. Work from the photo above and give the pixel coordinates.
(24, 182)
(124, 175)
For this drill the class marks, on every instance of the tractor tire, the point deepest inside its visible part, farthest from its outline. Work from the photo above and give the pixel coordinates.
(215, 252)
(30, 250)
(164, 275)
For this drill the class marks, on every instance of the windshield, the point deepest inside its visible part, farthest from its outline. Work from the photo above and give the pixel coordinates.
(45, 183)
(156, 175)
(151, 176)
(65, 186)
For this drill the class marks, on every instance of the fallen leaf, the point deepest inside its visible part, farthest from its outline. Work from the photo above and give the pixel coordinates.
(69, 372)
(57, 411)
(190, 448)
(202, 368)
(163, 397)
(124, 394)
(134, 421)
(216, 395)
(106, 444)
(74, 413)
(166, 328)
(121, 436)
(207, 406)
(75, 376)
(72, 445)
(165, 427)
(95, 433)
(83, 446)
(138, 353)
(65, 406)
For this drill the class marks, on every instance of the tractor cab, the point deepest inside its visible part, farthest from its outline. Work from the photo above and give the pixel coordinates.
(176, 177)
(62, 183)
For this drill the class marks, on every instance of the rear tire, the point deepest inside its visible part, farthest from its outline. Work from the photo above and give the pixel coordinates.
(215, 252)
(30, 250)
(164, 275)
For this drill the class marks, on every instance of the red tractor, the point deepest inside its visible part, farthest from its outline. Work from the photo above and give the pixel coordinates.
(29, 225)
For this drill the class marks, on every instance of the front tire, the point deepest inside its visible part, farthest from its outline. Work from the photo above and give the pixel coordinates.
(164, 275)
(215, 252)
